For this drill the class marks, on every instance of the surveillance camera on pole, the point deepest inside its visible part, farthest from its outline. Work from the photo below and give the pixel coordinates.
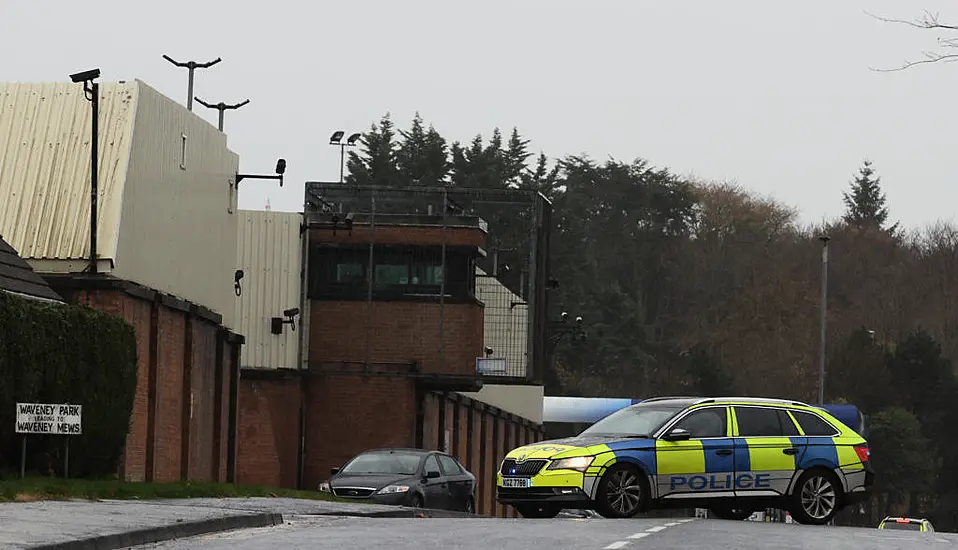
(91, 90)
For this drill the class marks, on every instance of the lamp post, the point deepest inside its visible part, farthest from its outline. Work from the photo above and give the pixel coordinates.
(91, 91)
(337, 140)
(221, 107)
(191, 66)
(561, 328)
(824, 299)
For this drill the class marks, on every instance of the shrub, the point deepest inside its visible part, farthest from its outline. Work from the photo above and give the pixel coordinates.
(54, 353)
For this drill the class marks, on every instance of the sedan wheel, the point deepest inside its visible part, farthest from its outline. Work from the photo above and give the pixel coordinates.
(623, 492)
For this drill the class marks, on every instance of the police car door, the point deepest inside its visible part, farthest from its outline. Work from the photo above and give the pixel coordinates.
(765, 453)
(703, 464)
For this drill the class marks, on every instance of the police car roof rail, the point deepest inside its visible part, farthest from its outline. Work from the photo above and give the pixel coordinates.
(669, 397)
(761, 400)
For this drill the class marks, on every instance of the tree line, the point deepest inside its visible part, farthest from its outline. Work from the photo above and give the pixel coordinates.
(698, 287)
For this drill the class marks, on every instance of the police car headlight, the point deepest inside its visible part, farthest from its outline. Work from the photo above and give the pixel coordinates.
(392, 489)
(324, 487)
(579, 463)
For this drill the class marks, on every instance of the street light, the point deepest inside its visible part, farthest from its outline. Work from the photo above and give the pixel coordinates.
(91, 91)
(221, 107)
(824, 299)
(337, 140)
(191, 66)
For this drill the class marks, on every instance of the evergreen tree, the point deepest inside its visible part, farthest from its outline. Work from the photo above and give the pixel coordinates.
(865, 202)
(422, 158)
(376, 165)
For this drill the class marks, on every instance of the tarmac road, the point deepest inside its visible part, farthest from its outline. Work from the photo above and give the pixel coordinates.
(347, 533)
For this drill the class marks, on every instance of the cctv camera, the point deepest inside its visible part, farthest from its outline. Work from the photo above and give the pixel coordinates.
(238, 275)
(85, 75)
(488, 350)
(291, 312)
(564, 315)
(578, 320)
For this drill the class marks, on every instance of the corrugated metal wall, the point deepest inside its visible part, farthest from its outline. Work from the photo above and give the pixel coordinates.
(45, 145)
(178, 228)
(269, 251)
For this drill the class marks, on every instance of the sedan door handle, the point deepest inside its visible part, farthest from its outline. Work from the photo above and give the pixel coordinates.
(790, 451)
(723, 452)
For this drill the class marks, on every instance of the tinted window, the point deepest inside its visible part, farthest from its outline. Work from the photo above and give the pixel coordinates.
(762, 422)
(432, 465)
(637, 420)
(788, 427)
(383, 463)
(449, 466)
(812, 424)
(709, 422)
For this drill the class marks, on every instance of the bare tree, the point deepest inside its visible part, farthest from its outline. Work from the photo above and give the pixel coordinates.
(927, 21)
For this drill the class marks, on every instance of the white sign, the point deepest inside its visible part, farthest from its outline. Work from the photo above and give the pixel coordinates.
(490, 366)
(42, 418)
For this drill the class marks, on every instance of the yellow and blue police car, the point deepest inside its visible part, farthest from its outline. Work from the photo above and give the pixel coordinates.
(731, 455)
(906, 524)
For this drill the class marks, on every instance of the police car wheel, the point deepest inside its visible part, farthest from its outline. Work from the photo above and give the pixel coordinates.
(537, 511)
(623, 492)
(816, 497)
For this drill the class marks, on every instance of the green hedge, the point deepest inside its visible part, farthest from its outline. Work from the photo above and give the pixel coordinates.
(52, 353)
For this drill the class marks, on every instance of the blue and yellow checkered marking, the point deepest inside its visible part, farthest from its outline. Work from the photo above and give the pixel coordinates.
(715, 463)
(821, 451)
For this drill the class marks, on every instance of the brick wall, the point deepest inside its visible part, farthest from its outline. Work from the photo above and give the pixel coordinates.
(169, 395)
(175, 432)
(350, 413)
(268, 432)
(400, 331)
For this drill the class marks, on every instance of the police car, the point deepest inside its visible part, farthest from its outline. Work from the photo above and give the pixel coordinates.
(730, 455)
(906, 524)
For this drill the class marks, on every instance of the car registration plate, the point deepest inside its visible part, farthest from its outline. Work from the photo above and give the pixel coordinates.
(517, 482)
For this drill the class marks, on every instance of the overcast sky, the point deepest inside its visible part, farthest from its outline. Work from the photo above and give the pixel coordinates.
(778, 97)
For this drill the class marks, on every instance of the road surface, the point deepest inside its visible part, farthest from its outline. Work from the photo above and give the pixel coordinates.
(348, 533)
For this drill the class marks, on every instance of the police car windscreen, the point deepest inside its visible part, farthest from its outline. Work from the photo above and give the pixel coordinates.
(638, 420)
(903, 526)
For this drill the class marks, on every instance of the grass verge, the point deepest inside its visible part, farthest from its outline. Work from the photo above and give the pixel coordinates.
(45, 488)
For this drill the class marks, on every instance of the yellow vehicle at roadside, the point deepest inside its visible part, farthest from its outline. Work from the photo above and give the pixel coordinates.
(732, 455)
(906, 524)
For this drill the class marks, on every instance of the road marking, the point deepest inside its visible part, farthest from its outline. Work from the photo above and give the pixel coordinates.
(672, 524)
(638, 535)
(655, 529)
(618, 544)
(686, 520)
